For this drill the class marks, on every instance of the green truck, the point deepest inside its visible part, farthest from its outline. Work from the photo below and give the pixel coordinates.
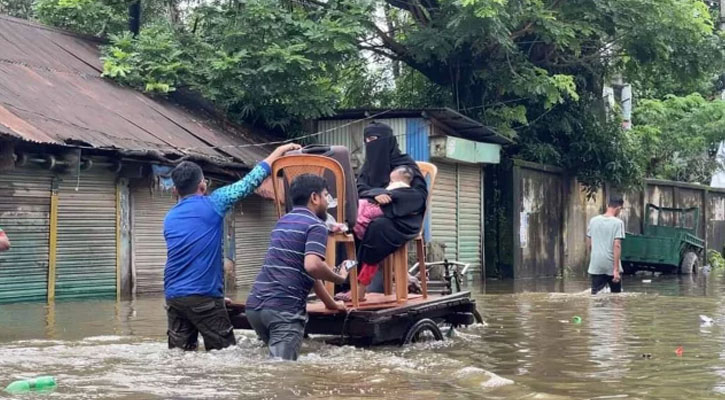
(670, 244)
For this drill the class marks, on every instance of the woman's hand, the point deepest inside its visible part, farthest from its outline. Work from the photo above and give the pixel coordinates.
(383, 199)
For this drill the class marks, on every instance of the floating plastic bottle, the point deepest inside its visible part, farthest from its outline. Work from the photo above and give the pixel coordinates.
(41, 383)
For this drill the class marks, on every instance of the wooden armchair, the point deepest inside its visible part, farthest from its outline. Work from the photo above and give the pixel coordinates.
(294, 165)
(396, 264)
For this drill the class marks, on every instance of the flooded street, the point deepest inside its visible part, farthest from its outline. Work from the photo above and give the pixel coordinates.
(529, 348)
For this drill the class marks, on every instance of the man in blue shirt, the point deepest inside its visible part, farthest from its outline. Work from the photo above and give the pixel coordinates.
(295, 263)
(193, 276)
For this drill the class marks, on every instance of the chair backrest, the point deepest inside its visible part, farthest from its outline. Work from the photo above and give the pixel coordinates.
(429, 171)
(295, 165)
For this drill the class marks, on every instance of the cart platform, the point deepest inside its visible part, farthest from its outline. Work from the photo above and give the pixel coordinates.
(381, 319)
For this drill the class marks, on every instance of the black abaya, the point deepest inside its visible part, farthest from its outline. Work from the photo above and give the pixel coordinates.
(403, 218)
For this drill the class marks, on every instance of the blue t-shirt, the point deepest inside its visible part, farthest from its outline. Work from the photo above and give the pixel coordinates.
(193, 230)
(283, 283)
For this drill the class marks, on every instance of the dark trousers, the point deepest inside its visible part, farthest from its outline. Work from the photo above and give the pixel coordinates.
(600, 281)
(281, 331)
(189, 316)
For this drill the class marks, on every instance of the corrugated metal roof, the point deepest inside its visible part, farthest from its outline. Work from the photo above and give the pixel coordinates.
(458, 123)
(51, 91)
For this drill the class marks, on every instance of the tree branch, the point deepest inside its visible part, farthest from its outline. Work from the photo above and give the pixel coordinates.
(380, 51)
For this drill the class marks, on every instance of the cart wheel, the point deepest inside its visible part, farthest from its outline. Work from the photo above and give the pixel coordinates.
(690, 263)
(417, 331)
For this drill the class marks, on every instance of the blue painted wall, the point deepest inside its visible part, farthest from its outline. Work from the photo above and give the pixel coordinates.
(417, 131)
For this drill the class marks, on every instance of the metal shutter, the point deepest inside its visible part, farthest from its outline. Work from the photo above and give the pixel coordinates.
(149, 246)
(86, 250)
(469, 215)
(444, 225)
(25, 216)
(254, 219)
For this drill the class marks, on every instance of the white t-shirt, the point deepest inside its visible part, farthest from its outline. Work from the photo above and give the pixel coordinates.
(603, 230)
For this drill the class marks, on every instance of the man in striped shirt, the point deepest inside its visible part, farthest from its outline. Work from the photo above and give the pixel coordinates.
(294, 264)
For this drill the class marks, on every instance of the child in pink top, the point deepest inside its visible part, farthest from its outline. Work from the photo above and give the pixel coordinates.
(368, 210)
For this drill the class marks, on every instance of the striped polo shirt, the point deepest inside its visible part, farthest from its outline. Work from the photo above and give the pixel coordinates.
(283, 284)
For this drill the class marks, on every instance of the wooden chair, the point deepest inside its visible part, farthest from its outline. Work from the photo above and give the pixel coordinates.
(396, 264)
(294, 165)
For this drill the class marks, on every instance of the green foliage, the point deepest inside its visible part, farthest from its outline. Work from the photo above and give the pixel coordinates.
(154, 61)
(532, 69)
(678, 137)
(17, 8)
(715, 259)
(253, 59)
(90, 17)
(521, 65)
(579, 138)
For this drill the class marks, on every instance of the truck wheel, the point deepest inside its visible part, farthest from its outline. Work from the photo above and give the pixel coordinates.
(690, 263)
(629, 268)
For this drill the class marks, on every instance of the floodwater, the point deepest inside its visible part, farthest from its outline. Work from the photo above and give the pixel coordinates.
(527, 349)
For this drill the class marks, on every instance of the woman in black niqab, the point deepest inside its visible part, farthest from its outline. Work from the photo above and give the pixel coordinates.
(402, 217)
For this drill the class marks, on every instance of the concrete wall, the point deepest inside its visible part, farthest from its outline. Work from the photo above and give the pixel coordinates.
(537, 216)
(579, 208)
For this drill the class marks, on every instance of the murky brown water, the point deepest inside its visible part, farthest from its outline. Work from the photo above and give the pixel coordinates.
(528, 349)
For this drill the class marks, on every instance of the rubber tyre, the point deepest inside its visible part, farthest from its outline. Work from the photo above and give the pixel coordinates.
(477, 316)
(422, 325)
(690, 263)
(629, 268)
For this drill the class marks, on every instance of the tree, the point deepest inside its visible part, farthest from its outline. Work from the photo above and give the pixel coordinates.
(98, 17)
(17, 8)
(532, 69)
(522, 66)
(255, 60)
(677, 138)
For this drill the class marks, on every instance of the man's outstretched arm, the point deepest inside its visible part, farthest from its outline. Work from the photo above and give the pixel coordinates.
(225, 197)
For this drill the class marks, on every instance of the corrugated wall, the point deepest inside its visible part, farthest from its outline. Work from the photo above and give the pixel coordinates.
(349, 133)
(444, 205)
(24, 216)
(149, 247)
(86, 253)
(469, 215)
(254, 219)
(417, 146)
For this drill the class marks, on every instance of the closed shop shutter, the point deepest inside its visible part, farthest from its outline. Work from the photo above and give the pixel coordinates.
(469, 215)
(24, 216)
(149, 246)
(443, 217)
(86, 252)
(254, 219)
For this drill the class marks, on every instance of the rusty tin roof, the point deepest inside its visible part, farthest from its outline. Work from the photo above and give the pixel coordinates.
(51, 91)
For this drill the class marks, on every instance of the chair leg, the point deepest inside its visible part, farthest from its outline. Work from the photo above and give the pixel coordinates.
(331, 256)
(420, 250)
(401, 274)
(388, 274)
(353, 275)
